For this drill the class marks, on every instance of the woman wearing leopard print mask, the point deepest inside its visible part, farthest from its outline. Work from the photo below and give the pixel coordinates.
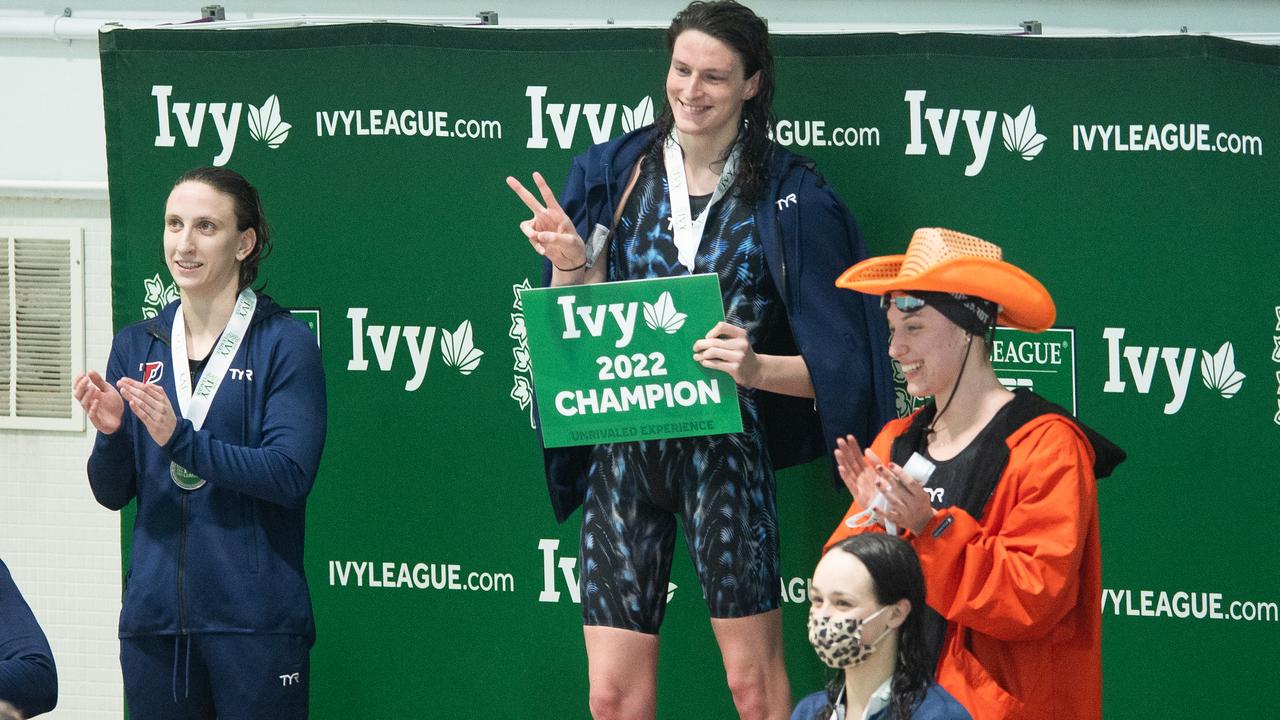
(865, 622)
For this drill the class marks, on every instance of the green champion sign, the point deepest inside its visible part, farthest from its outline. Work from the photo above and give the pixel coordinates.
(614, 361)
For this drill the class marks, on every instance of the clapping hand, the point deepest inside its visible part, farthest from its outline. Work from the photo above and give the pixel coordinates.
(857, 470)
(906, 504)
(150, 403)
(102, 403)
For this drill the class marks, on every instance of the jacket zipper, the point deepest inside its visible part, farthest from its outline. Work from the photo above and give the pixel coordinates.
(608, 190)
(782, 253)
(781, 239)
(182, 564)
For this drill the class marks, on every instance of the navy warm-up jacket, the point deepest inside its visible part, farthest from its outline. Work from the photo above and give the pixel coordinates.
(226, 558)
(28, 677)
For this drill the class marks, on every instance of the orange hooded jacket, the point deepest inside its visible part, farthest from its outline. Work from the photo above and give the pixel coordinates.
(1020, 587)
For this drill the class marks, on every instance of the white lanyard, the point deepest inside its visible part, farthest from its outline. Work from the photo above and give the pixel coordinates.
(194, 406)
(919, 468)
(687, 232)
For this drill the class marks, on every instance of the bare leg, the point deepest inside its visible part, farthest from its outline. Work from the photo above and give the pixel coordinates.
(752, 652)
(623, 671)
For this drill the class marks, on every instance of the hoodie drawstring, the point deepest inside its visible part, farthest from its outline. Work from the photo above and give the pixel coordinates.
(177, 640)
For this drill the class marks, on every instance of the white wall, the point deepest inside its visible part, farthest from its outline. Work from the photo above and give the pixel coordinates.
(63, 549)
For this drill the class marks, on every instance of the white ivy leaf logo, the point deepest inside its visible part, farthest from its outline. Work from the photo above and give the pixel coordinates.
(901, 402)
(522, 389)
(517, 331)
(1218, 371)
(1020, 134)
(155, 290)
(158, 295)
(639, 116)
(265, 124)
(662, 315)
(521, 392)
(898, 377)
(457, 350)
(522, 359)
(516, 289)
(671, 590)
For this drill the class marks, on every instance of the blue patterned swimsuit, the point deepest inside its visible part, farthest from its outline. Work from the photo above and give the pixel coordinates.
(722, 486)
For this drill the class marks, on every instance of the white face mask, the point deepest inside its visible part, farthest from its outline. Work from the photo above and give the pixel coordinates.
(838, 641)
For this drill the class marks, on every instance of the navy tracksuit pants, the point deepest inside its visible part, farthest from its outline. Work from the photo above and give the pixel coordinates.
(216, 675)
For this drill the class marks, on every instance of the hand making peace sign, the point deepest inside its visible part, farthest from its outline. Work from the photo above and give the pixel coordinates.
(550, 231)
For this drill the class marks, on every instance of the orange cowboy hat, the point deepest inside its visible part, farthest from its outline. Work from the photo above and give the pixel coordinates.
(942, 260)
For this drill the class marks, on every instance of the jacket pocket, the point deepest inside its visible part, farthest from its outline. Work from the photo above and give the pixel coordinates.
(981, 695)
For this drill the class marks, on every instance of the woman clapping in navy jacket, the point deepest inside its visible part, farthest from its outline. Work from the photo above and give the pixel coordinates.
(212, 415)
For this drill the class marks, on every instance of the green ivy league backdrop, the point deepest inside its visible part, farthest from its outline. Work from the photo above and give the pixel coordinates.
(1161, 261)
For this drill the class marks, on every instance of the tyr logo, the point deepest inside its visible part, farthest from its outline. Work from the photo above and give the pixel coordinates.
(290, 679)
(786, 202)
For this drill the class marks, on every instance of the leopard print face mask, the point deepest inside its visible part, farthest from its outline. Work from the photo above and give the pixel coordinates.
(838, 641)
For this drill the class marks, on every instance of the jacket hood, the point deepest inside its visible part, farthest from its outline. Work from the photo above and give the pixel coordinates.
(1025, 413)
(161, 326)
(610, 162)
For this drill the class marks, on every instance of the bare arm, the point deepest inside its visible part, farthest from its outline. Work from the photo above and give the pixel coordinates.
(727, 348)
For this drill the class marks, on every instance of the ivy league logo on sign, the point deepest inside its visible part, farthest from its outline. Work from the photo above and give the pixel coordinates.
(564, 118)
(1018, 132)
(265, 124)
(1043, 362)
(614, 361)
(1146, 365)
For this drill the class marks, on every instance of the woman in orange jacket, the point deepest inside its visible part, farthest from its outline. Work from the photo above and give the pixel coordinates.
(1007, 529)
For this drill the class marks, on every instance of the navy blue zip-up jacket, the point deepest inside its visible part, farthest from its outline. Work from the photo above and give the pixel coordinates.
(809, 238)
(227, 557)
(28, 677)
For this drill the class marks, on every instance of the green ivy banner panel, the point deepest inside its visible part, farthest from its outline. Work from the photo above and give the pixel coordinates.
(1136, 177)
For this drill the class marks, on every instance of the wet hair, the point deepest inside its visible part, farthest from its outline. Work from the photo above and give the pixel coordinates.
(248, 210)
(747, 34)
(895, 574)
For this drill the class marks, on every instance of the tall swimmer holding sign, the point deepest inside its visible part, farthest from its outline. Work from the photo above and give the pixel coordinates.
(212, 415)
(701, 192)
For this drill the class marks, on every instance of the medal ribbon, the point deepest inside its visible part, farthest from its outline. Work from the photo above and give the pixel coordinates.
(194, 406)
(685, 230)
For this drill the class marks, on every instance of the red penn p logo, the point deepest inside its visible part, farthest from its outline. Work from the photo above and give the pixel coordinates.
(152, 372)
